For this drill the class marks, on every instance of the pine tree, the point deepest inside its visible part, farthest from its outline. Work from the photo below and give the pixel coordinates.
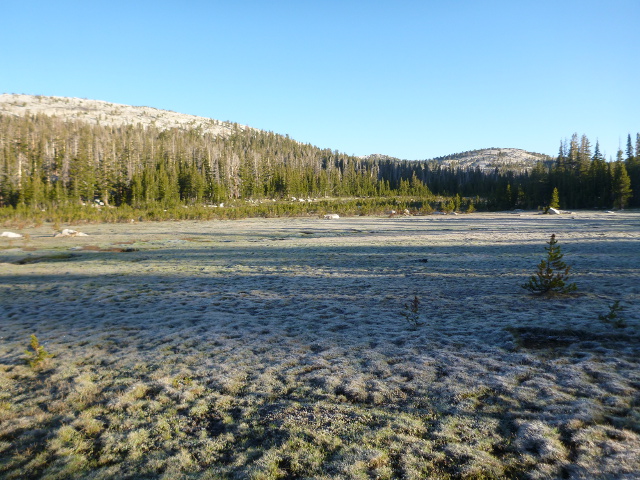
(632, 165)
(599, 185)
(629, 148)
(555, 199)
(552, 273)
(621, 185)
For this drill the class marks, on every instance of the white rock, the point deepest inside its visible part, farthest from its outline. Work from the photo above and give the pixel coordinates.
(331, 216)
(67, 232)
(11, 235)
(553, 211)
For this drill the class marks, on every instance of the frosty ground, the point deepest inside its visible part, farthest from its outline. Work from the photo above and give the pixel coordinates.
(278, 348)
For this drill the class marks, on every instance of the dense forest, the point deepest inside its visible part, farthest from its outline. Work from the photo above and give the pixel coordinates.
(48, 163)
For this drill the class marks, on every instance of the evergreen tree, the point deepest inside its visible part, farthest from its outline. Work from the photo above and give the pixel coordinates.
(599, 185)
(621, 185)
(597, 155)
(632, 165)
(629, 148)
(552, 273)
(537, 186)
(555, 199)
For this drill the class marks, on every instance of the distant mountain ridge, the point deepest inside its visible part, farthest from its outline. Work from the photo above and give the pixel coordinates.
(98, 112)
(486, 159)
(491, 158)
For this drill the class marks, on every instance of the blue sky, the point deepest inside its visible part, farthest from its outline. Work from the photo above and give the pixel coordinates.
(411, 79)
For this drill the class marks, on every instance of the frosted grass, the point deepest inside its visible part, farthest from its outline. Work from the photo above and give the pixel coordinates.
(276, 348)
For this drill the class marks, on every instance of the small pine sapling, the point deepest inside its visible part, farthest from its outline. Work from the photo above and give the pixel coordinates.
(37, 355)
(412, 312)
(552, 273)
(612, 318)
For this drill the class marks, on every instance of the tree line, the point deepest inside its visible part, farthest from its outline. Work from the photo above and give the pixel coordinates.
(49, 162)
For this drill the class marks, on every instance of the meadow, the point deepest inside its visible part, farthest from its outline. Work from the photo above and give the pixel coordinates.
(287, 348)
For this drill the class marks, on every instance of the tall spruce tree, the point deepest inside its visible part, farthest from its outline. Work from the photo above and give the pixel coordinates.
(599, 188)
(632, 165)
(629, 148)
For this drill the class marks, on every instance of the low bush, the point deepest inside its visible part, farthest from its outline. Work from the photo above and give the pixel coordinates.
(36, 354)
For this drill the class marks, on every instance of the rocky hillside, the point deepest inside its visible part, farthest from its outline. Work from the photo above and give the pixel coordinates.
(486, 159)
(489, 159)
(105, 113)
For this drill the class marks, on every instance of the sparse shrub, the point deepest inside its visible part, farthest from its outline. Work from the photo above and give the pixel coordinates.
(181, 381)
(412, 312)
(36, 355)
(612, 318)
(552, 273)
(470, 207)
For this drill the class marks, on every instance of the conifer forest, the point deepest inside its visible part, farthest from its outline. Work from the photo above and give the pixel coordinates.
(48, 164)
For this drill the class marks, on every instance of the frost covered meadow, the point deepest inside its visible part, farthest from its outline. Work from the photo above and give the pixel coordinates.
(281, 348)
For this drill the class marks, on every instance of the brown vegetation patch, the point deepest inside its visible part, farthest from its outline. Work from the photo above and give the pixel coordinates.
(55, 257)
(543, 338)
(95, 248)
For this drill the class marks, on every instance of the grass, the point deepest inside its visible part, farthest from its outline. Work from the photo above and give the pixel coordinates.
(262, 353)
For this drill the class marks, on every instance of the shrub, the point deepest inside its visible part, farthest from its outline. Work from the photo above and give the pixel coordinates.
(552, 273)
(612, 318)
(37, 355)
(412, 312)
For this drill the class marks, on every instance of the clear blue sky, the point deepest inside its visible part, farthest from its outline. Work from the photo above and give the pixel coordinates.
(411, 79)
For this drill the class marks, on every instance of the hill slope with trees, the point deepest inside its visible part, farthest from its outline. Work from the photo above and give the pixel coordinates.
(54, 161)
